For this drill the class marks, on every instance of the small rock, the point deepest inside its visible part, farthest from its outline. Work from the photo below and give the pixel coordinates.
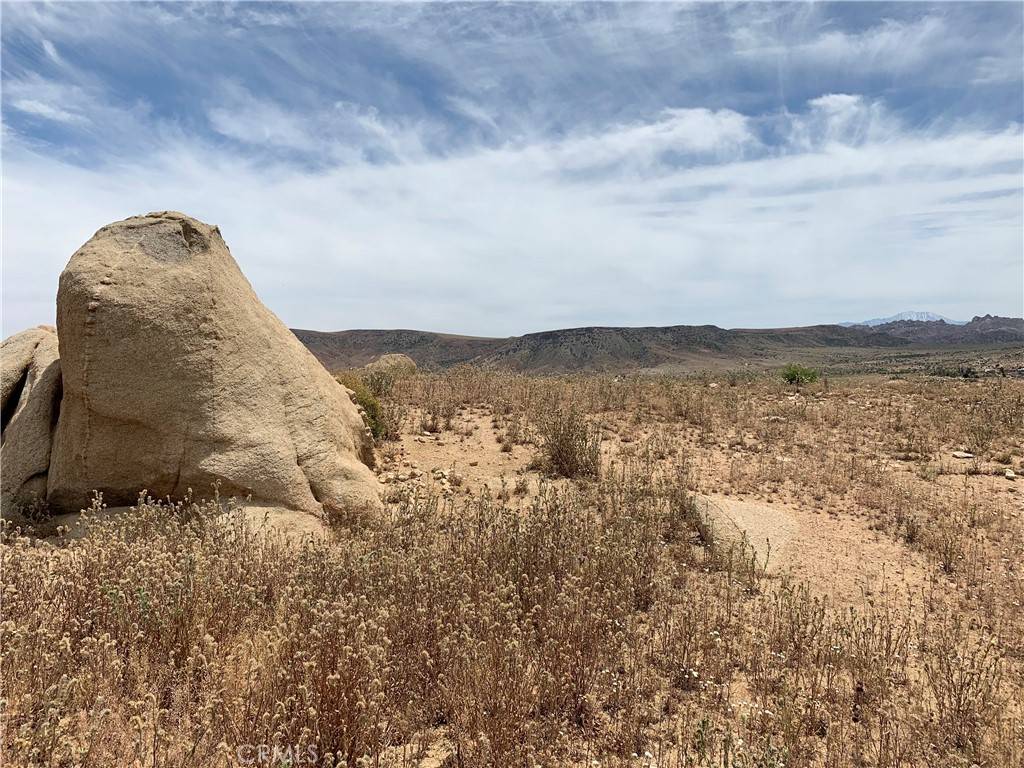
(1010, 474)
(962, 455)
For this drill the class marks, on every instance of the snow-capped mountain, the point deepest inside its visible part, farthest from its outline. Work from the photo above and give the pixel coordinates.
(920, 317)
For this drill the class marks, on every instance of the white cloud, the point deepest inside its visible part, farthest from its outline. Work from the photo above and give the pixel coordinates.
(841, 118)
(890, 45)
(51, 50)
(720, 133)
(85, 109)
(508, 240)
(511, 168)
(255, 121)
(340, 132)
(47, 111)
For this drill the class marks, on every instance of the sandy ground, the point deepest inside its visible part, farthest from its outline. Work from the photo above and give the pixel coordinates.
(835, 550)
(833, 546)
(837, 554)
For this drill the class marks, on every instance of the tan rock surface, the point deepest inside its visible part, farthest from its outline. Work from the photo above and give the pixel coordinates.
(176, 376)
(31, 388)
(394, 363)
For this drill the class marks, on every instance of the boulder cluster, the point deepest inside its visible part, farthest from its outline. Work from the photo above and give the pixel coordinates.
(166, 373)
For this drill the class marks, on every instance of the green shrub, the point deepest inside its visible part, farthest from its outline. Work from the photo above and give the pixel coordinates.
(799, 374)
(373, 411)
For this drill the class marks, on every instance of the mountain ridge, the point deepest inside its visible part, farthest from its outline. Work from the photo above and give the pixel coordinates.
(911, 315)
(620, 349)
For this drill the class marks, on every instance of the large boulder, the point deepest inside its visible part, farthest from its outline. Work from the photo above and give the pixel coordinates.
(176, 377)
(392, 364)
(30, 391)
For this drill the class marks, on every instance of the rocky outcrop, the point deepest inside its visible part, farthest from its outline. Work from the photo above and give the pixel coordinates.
(176, 376)
(394, 364)
(30, 390)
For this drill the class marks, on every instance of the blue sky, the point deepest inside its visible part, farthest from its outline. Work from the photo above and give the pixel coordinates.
(498, 169)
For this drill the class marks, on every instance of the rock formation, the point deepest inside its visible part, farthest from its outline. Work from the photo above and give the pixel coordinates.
(394, 364)
(175, 376)
(30, 385)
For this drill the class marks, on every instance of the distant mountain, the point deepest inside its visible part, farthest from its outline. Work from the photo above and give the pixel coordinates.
(990, 329)
(624, 349)
(354, 349)
(917, 317)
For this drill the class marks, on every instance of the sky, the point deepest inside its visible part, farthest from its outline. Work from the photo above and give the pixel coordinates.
(499, 169)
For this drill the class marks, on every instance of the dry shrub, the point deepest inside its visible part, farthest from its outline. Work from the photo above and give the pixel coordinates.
(569, 445)
(600, 622)
(193, 627)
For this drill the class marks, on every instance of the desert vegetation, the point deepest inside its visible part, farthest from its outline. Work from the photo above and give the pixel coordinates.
(799, 374)
(556, 590)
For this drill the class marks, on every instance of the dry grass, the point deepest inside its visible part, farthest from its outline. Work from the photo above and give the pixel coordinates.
(601, 623)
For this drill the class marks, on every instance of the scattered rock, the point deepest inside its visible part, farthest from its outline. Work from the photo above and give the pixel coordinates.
(1010, 474)
(962, 455)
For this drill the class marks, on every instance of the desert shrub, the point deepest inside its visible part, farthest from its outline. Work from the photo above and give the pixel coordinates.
(173, 634)
(382, 414)
(599, 623)
(380, 383)
(963, 673)
(799, 374)
(569, 445)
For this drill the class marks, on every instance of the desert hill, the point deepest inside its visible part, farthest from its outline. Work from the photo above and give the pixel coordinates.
(622, 349)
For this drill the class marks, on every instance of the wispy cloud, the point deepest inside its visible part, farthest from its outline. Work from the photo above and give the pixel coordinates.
(46, 111)
(516, 168)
